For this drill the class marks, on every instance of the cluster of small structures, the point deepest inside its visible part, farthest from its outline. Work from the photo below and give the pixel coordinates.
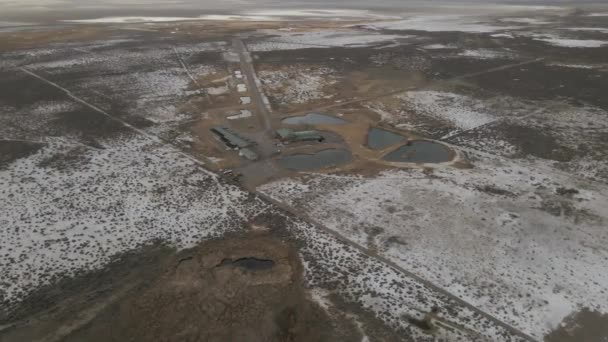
(233, 140)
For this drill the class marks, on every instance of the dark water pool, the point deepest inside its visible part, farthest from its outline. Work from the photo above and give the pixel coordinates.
(252, 264)
(420, 151)
(378, 139)
(319, 160)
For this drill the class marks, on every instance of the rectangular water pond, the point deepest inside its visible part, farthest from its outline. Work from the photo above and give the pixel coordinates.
(319, 160)
(420, 151)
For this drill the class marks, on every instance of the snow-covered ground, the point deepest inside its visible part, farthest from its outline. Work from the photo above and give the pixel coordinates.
(288, 40)
(113, 70)
(503, 35)
(439, 46)
(592, 29)
(297, 84)
(558, 39)
(524, 20)
(69, 208)
(563, 37)
(129, 20)
(391, 295)
(439, 23)
(571, 135)
(322, 13)
(516, 236)
(251, 15)
(575, 66)
(243, 114)
(504, 235)
(573, 43)
(461, 111)
(486, 54)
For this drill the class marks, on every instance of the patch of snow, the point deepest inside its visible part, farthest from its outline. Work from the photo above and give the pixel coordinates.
(559, 307)
(129, 20)
(439, 46)
(379, 288)
(458, 109)
(502, 252)
(191, 49)
(282, 40)
(31, 54)
(593, 29)
(164, 82)
(4, 23)
(164, 114)
(50, 108)
(217, 90)
(567, 42)
(241, 88)
(574, 43)
(242, 115)
(502, 35)
(36, 117)
(576, 66)
(185, 138)
(486, 54)
(87, 59)
(231, 56)
(384, 115)
(112, 200)
(245, 100)
(332, 14)
(297, 85)
(302, 14)
(320, 297)
(439, 23)
(535, 21)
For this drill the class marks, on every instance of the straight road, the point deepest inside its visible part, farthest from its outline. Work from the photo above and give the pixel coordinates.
(256, 95)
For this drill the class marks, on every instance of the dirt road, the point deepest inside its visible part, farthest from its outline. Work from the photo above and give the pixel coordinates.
(254, 90)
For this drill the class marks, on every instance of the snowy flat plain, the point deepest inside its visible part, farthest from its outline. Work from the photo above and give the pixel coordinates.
(484, 234)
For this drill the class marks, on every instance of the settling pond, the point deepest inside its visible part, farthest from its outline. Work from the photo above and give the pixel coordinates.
(319, 160)
(420, 151)
(313, 119)
(378, 139)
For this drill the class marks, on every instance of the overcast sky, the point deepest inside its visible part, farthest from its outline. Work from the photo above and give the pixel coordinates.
(199, 7)
(46, 4)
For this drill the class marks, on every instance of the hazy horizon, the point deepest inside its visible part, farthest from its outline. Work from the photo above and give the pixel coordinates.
(50, 10)
(36, 7)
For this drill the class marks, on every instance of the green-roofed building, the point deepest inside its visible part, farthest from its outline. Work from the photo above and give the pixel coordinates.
(287, 134)
(230, 138)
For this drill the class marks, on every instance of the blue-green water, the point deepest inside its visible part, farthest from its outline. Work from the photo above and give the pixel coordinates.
(378, 139)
